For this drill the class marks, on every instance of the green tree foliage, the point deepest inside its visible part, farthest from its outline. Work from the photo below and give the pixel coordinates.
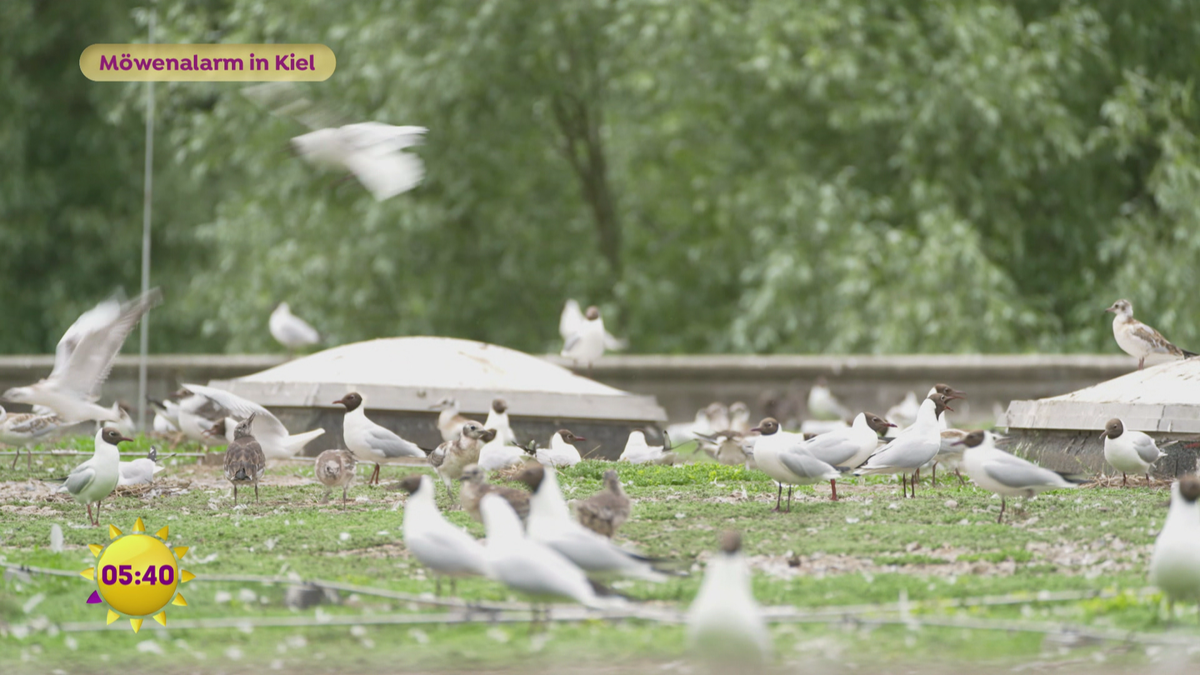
(746, 175)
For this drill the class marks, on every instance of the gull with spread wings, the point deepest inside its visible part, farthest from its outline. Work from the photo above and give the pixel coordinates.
(270, 433)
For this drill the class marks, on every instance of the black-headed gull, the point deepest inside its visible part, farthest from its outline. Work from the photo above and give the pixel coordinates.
(369, 441)
(572, 319)
(141, 470)
(444, 549)
(498, 419)
(450, 421)
(912, 449)
(1129, 451)
(290, 330)
(372, 151)
(83, 360)
(587, 344)
(90, 482)
(850, 447)
(276, 443)
(638, 451)
(724, 623)
(22, 429)
(1139, 340)
(475, 486)
(561, 452)
(608, 509)
(333, 469)
(1175, 563)
(496, 455)
(1004, 474)
(781, 455)
(450, 458)
(244, 458)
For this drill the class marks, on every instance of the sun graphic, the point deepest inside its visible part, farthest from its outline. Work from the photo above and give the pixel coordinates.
(137, 574)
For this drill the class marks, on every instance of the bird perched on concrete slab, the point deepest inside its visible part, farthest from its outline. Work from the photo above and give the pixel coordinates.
(83, 359)
(475, 486)
(1004, 474)
(290, 330)
(369, 441)
(335, 468)
(90, 482)
(21, 429)
(1175, 563)
(450, 421)
(724, 623)
(451, 457)
(244, 458)
(1129, 451)
(587, 344)
(607, 510)
(1139, 340)
(141, 470)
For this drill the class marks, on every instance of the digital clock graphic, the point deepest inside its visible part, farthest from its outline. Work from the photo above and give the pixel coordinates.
(137, 575)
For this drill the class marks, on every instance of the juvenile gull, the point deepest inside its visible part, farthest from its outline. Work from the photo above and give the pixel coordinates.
(290, 330)
(83, 360)
(1006, 475)
(1175, 563)
(561, 452)
(1139, 340)
(335, 468)
(141, 470)
(446, 550)
(1129, 451)
(451, 457)
(475, 486)
(450, 421)
(725, 623)
(244, 458)
(781, 455)
(21, 429)
(90, 482)
(608, 509)
(369, 441)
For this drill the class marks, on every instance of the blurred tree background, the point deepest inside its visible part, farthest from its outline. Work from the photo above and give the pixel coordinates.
(718, 175)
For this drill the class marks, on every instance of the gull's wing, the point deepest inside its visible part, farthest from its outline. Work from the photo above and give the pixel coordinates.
(832, 447)
(37, 425)
(614, 344)
(80, 478)
(386, 173)
(391, 445)
(1158, 343)
(266, 424)
(1017, 473)
(97, 318)
(301, 329)
(1146, 449)
(572, 341)
(286, 99)
(448, 549)
(92, 357)
(805, 465)
(381, 138)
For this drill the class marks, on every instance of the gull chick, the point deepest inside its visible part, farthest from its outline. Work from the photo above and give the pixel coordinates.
(244, 458)
(474, 487)
(83, 360)
(724, 623)
(450, 422)
(141, 470)
(369, 441)
(335, 468)
(1129, 451)
(1139, 340)
(1175, 563)
(372, 151)
(560, 452)
(22, 429)
(1004, 474)
(290, 330)
(90, 482)
(608, 509)
(451, 457)
(444, 549)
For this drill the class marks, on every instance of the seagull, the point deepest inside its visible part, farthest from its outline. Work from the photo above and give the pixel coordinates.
(699, 425)
(782, 456)
(335, 468)
(1000, 473)
(561, 452)
(141, 470)
(290, 330)
(724, 622)
(848, 448)
(201, 419)
(444, 549)
(950, 454)
(526, 565)
(608, 509)
(1129, 451)
(21, 429)
(498, 419)
(449, 420)
(123, 422)
(166, 416)
(474, 487)
(586, 345)
(244, 458)
(83, 360)
(1173, 565)
(451, 457)
(570, 321)
(496, 455)
(909, 451)
(1139, 340)
(372, 151)
(637, 451)
(369, 441)
(90, 482)
(274, 439)
(823, 405)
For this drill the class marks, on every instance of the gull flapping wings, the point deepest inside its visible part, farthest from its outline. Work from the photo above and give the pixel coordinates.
(266, 428)
(85, 354)
(286, 99)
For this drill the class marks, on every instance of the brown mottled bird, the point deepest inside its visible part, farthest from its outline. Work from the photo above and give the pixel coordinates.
(474, 487)
(335, 468)
(451, 457)
(244, 458)
(606, 510)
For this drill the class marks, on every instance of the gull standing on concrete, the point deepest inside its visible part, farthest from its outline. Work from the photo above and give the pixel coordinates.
(1129, 451)
(83, 360)
(1175, 563)
(572, 319)
(451, 457)
(290, 330)
(561, 452)
(850, 447)
(498, 419)
(608, 509)
(22, 429)
(782, 456)
(823, 405)
(90, 482)
(449, 420)
(1139, 340)
(276, 443)
(550, 523)
(1006, 475)
(370, 442)
(724, 622)
(909, 451)
(474, 487)
(586, 344)
(244, 458)
(335, 468)
(141, 470)
(446, 550)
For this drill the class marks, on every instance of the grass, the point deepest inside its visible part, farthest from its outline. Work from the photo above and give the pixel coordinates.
(871, 547)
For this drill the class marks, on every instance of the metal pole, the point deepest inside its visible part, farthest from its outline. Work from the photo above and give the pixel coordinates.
(148, 189)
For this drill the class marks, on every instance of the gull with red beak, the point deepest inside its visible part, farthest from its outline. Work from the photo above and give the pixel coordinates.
(909, 451)
(848, 448)
(370, 442)
(781, 455)
(1000, 473)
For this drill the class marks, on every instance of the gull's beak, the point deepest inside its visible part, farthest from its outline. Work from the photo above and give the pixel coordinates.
(1103, 433)
(949, 408)
(959, 443)
(760, 430)
(955, 394)
(580, 438)
(124, 440)
(339, 402)
(892, 424)
(1111, 309)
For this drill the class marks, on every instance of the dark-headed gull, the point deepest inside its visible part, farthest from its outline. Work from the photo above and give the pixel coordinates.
(608, 509)
(1129, 451)
(1175, 563)
(724, 623)
(848, 448)
(244, 458)
(333, 469)
(475, 486)
(83, 360)
(444, 549)
(912, 449)
(1139, 340)
(496, 455)
(572, 318)
(369, 441)
(1007, 475)
(90, 482)
(561, 452)
(586, 345)
(450, 458)
(638, 451)
(498, 419)
(276, 443)
(781, 455)
(290, 330)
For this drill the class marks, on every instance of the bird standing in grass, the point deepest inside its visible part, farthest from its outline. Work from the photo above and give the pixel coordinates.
(1175, 563)
(446, 550)
(244, 458)
(474, 487)
(451, 457)
(608, 509)
(1129, 451)
(724, 623)
(369, 441)
(23, 429)
(335, 468)
(90, 482)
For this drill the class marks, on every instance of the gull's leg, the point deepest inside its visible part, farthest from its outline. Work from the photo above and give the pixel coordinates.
(344, 496)
(18, 456)
(1124, 480)
(1002, 505)
(1141, 363)
(256, 492)
(933, 479)
(97, 514)
(91, 520)
(962, 482)
(779, 499)
(912, 484)
(235, 494)
(789, 508)
(833, 486)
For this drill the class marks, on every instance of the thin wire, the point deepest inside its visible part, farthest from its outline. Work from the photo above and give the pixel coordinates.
(147, 193)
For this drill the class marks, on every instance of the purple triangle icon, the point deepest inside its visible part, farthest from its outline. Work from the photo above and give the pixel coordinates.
(95, 598)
